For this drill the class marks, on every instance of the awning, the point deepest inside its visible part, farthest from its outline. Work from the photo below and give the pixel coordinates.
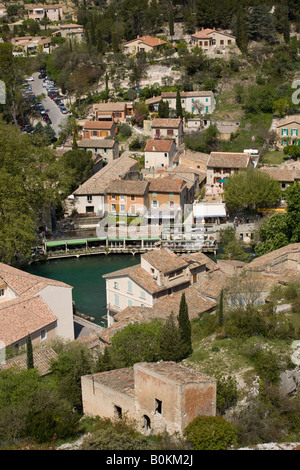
(206, 210)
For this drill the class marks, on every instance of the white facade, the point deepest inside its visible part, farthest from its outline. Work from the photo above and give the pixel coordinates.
(59, 300)
(192, 102)
(155, 158)
(122, 292)
(87, 204)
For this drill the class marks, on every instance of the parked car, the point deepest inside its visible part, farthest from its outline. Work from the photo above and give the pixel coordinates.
(29, 79)
(64, 110)
(27, 128)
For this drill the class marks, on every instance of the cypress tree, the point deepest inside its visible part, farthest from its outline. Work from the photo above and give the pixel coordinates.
(29, 353)
(169, 341)
(171, 23)
(178, 104)
(184, 328)
(221, 309)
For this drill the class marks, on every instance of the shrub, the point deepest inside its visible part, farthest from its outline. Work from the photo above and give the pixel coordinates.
(211, 433)
(226, 394)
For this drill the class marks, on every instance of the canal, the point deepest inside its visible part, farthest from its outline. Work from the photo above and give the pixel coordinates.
(85, 275)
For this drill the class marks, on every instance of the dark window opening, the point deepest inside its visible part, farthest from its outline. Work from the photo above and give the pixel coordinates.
(118, 411)
(158, 406)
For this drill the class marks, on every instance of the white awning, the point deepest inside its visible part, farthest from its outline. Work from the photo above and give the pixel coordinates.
(206, 210)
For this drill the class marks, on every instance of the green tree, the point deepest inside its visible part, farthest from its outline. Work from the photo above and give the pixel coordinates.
(136, 343)
(211, 433)
(184, 328)
(251, 189)
(227, 394)
(171, 23)
(292, 151)
(163, 109)
(170, 340)
(25, 191)
(29, 353)
(178, 105)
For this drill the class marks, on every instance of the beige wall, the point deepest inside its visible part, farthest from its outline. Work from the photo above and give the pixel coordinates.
(99, 400)
(175, 134)
(59, 300)
(155, 159)
(285, 137)
(118, 296)
(137, 46)
(81, 203)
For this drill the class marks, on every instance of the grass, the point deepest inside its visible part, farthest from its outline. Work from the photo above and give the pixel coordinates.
(273, 158)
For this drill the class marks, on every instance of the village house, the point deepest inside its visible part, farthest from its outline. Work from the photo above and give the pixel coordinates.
(288, 131)
(286, 173)
(160, 274)
(104, 149)
(98, 129)
(90, 197)
(29, 45)
(159, 153)
(168, 128)
(143, 44)
(160, 397)
(70, 31)
(213, 41)
(194, 102)
(167, 198)
(37, 12)
(223, 164)
(118, 112)
(127, 198)
(33, 305)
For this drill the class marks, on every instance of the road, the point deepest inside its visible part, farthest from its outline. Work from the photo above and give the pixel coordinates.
(51, 107)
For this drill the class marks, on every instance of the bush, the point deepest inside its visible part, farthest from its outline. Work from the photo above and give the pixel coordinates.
(124, 130)
(226, 394)
(210, 433)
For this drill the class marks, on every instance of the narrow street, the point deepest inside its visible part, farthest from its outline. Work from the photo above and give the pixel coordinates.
(51, 107)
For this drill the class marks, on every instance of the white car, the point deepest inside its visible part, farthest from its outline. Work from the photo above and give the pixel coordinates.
(29, 79)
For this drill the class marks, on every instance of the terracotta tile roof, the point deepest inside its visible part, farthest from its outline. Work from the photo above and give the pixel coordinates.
(186, 94)
(166, 123)
(212, 283)
(281, 174)
(228, 160)
(136, 188)
(22, 316)
(96, 143)
(41, 360)
(289, 120)
(158, 145)
(168, 184)
(149, 40)
(291, 251)
(120, 380)
(110, 106)
(138, 275)
(98, 125)
(99, 182)
(177, 372)
(164, 260)
(22, 282)
(203, 34)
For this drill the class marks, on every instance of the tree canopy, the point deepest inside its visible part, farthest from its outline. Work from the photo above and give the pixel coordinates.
(250, 190)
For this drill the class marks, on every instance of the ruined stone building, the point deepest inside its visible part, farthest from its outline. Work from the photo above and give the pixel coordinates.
(163, 396)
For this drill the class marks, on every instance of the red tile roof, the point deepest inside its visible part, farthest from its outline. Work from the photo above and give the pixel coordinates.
(159, 145)
(168, 184)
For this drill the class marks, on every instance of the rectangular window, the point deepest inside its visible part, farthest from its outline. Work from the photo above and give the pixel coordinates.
(116, 300)
(116, 285)
(94, 133)
(129, 287)
(122, 207)
(113, 196)
(132, 198)
(2, 291)
(171, 195)
(43, 335)
(154, 204)
(142, 294)
(104, 151)
(170, 132)
(154, 194)
(122, 197)
(89, 198)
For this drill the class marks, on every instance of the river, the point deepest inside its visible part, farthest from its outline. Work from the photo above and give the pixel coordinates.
(85, 275)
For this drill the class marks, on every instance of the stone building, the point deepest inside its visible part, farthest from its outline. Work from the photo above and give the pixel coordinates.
(163, 396)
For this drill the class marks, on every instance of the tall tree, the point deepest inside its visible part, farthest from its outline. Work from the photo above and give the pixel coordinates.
(169, 341)
(29, 353)
(184, 328)
(178, 105)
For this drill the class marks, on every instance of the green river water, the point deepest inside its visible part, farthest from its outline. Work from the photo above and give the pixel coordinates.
(85, 275)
